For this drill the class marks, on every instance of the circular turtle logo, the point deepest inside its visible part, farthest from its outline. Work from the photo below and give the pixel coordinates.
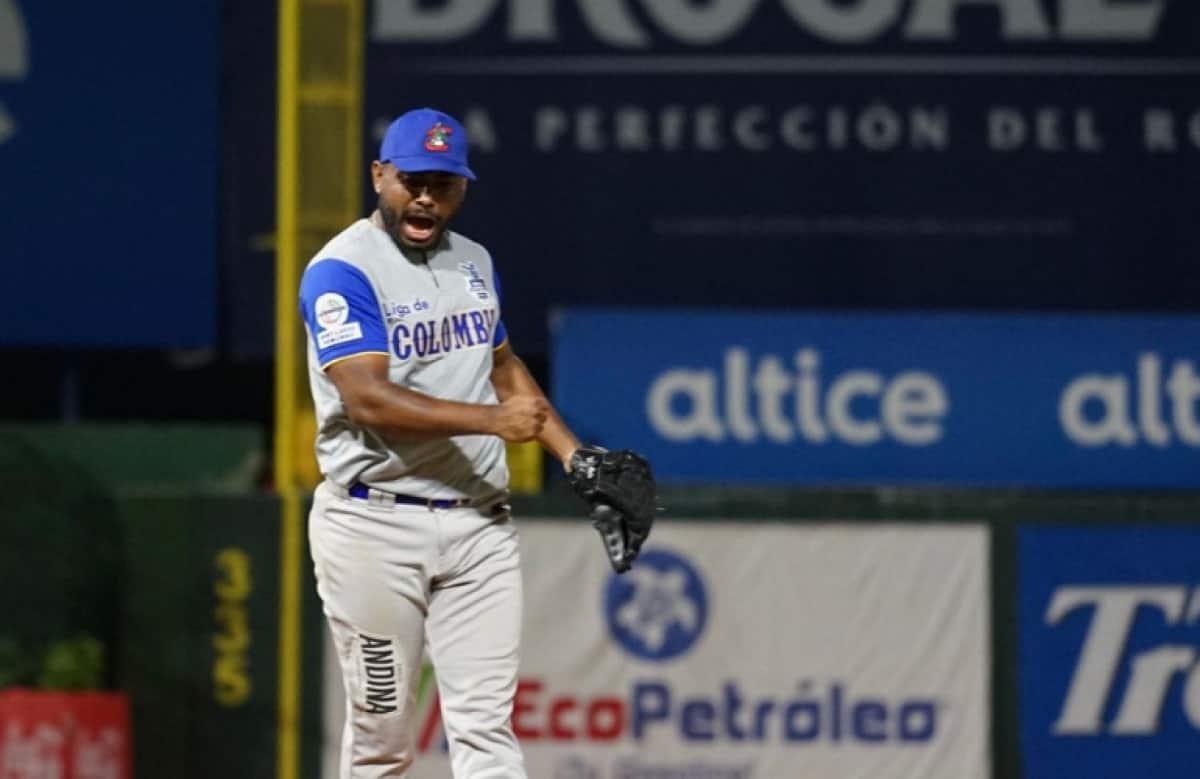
(657, 610)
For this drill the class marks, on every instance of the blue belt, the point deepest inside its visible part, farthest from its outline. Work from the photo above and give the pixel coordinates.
(362, 492)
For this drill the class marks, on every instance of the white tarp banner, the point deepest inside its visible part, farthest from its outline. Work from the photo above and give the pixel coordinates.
(763, 650)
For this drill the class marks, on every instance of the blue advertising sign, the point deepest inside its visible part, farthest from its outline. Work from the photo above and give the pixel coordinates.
(1109, 639)
(817, 153)
(108, 170)
(852, 398)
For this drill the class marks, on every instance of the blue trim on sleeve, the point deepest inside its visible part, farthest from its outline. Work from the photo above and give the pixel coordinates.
(356, 330)
(501, 331)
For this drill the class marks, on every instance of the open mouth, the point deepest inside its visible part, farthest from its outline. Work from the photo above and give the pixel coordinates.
(418, 228)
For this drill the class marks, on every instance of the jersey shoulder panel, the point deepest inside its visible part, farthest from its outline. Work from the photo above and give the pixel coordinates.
(340, 306)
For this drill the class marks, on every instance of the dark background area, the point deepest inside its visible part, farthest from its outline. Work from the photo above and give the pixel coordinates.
(1069, 230)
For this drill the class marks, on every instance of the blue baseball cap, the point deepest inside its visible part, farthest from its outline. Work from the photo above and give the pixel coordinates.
(424, 139)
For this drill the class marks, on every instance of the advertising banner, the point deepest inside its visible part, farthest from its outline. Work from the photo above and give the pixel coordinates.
(65, 735)
(749, 650)
(108, 173)
(933, 153)
(1108, 647)
(869, 398)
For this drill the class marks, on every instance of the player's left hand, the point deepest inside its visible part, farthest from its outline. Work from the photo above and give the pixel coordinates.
(620, 489)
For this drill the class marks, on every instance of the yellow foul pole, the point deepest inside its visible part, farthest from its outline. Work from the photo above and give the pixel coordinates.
(286, 371)
(318, 182)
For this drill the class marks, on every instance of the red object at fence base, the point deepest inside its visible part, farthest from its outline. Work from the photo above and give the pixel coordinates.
(64, 735)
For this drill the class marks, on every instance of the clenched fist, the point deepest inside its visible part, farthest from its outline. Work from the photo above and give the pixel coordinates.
(520, 418)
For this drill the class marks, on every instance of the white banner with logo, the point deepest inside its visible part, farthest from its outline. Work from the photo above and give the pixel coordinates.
(740, 650)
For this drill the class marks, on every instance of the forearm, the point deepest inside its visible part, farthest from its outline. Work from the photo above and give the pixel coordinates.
(512, 378)
(393, 411)
(558, 439)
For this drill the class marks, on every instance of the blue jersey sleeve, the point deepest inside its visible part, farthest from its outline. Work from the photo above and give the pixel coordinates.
(341, 311)
(501, 334)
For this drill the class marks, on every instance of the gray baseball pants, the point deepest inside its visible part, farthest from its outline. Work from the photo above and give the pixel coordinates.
(393, 577)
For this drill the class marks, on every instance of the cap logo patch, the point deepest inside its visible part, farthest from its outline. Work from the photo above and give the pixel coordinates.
(435, 139)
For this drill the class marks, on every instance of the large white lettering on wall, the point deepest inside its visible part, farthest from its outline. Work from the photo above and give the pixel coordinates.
(619, 23)
(770, 400)
(1153, 671)
(1157, 407)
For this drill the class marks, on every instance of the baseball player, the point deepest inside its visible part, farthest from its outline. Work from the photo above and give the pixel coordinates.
(416, 391)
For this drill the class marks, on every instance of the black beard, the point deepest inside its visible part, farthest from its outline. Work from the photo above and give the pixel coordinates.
(393, 224)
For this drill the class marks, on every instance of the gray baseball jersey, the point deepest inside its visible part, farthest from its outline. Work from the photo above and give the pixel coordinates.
(437, 317)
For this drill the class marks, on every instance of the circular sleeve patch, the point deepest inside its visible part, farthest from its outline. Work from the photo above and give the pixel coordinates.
(331, 310)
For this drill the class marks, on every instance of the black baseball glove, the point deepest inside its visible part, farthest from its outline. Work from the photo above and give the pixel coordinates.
(619, 487)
